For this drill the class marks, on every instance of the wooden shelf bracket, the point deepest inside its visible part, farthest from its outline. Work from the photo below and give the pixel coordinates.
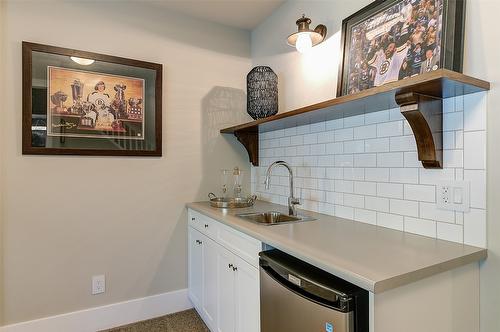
(425, 116)
(250, 140)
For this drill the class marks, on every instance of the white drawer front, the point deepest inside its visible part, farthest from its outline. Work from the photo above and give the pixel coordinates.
(241, 244)
(203, 224)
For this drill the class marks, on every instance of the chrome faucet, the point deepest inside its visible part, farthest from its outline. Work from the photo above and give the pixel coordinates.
(292, 201)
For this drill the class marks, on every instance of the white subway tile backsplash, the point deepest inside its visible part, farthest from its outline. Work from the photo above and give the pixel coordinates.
(377, 203)
(366, 216)
(365, 167)
(317, 127)
(430, 211)
(297, 140)
(335, 173)
(354, 121)
(453, 121)
(365, 160)
(354, 200)
(354, 173)
(387, 129)
(327, 160)
(477, 181)
(376, 174)
(475, 150)
(403, 143)
(474, 116)
(404, 175)
(311, 138)
(365, 188)
(453, 158)
(475, 228)
(344, 186)
(391, 159)
(346, 212)
(326, 137)
(449, 140)
(354, 147)
(304, 129)
(334, 124)
(411, 160)
(390, 221)
(423, 193)
(318, 149)
(377, 117)
(420, 226)
(344, 160)
(433, 176)
(346, 134)
(406, 208)
(450, 232)
(334, 148)
(377, 145)
(364, 132)
(391, 190)
(395, 114)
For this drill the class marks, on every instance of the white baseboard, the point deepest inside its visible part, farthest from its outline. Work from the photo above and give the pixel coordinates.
(104, 317)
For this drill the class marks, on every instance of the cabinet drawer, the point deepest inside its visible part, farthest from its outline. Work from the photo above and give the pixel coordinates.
(235, 241)
(241, 244)
(203, 224)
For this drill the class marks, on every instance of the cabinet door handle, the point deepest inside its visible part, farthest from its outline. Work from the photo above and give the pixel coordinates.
(193, 218)
(230, 265)
(206, 226)
(235, 268)
(199, 242)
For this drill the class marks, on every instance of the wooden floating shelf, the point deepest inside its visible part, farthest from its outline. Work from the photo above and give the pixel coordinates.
(419, 98)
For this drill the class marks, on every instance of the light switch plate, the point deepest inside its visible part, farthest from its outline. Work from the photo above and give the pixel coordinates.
(453, 195)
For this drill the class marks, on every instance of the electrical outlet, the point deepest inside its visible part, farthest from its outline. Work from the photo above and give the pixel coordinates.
(453, 195)
(98, 284)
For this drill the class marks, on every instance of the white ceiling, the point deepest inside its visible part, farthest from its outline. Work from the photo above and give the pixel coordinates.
(243, 14)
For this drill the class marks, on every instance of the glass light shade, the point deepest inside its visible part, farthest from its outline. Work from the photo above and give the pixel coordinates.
(304, 42)
(82, 61)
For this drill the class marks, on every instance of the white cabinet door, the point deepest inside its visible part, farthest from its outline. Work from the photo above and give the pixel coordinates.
(195, 265)
(209, 300)
(225, 291)
(247, 297)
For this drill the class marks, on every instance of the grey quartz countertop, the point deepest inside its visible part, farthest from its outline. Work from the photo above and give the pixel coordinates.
(371, 257)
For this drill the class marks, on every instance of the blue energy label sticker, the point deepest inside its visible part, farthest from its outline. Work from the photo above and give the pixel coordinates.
(328, 327)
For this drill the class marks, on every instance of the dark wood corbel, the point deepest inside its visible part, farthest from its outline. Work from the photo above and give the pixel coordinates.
(425, 116)
(250, 140)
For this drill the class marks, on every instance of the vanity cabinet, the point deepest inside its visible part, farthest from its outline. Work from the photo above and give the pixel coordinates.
(223, 276)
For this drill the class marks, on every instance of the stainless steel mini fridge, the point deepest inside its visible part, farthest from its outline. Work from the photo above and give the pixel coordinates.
(298, 297)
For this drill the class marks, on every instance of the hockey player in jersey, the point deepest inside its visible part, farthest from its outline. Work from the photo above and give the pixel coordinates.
(388, 62)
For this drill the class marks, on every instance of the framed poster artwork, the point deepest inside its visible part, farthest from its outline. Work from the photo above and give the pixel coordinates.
(83, 103)
(392, 40)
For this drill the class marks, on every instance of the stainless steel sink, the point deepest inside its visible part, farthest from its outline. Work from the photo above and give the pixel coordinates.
(272, 218)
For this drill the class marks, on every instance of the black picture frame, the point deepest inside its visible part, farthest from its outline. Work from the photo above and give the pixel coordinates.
(451, 38)
(37, 105)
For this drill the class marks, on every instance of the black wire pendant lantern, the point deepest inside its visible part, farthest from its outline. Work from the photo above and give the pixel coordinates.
(262, 92)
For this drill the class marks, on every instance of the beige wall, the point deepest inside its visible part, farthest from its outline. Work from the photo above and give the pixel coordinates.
(2, 86)
(68, 218)
(481, 60)
(305, 79)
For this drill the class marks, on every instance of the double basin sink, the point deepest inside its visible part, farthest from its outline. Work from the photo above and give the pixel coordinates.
(273, 218)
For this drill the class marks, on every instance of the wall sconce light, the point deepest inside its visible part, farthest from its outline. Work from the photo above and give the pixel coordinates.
(306, 38)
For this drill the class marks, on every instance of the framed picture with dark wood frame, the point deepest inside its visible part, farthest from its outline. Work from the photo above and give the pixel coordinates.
(392, 40)
(83, 103)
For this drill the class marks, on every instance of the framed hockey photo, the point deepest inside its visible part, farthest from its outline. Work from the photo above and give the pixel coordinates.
(82, 103)
(392, 40)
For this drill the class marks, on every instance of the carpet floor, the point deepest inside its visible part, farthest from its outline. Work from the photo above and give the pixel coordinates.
(184, 321)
